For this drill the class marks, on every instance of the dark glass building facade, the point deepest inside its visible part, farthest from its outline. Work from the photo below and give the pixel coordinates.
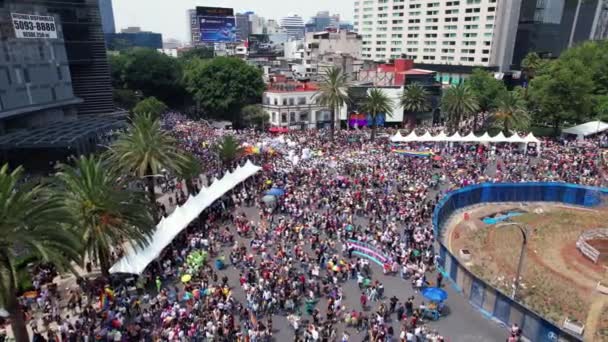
(85, 48)
(122, 41)
(549, 27)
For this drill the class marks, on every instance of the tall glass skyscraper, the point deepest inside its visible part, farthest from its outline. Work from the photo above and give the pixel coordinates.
(107, 16)
(549, 27)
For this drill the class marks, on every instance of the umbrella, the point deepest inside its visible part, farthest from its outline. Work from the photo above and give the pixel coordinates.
(269, 199)
(275, 192)
(187, 296)
(434, 294)
(186, 278)
(437, 158)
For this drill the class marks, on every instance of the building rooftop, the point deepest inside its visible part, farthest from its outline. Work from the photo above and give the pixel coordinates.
(289, 87)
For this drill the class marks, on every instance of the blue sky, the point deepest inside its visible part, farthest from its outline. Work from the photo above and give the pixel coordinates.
(169, 16)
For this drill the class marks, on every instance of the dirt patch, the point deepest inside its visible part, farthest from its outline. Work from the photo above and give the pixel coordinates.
(557, 280)
(601, 245)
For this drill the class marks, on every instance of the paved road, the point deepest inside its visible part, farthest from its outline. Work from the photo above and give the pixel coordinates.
(463, 323)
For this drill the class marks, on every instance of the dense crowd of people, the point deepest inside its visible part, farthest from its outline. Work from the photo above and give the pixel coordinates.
(252, 259)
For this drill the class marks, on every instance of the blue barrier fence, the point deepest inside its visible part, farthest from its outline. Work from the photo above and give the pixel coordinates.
(480, 294)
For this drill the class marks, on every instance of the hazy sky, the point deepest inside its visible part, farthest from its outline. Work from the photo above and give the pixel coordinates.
(169, 16)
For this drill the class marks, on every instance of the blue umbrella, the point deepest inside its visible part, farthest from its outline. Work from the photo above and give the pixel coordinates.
(434, 294)
(275, 192)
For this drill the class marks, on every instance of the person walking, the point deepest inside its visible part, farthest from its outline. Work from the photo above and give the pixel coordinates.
(439, 279)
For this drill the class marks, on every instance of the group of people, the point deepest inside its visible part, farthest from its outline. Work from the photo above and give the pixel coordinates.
(286, 266)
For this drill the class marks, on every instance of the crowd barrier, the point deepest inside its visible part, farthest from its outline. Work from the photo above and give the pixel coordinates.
(488, 300)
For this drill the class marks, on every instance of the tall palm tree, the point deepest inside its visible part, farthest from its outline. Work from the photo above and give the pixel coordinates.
(530, 66)
(511, 112)
(375, 103)
(458, 102)
(31, 226)
(333, 93)
(228, 149)
(190, 169)
(415, 99)
(103, 213)
(144, 150)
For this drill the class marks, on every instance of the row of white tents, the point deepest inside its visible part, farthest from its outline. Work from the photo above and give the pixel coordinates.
(485, 138)
(137, 259)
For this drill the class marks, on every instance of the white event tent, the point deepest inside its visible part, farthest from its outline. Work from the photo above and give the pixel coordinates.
(137, 259)
(586, 129)
(485, 138)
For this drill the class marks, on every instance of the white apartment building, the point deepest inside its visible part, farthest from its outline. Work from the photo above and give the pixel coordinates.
(457, 32)
(293, 105)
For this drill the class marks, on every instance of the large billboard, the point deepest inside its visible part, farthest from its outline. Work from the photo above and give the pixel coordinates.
(34, 26)
(217, 24)
(217, 29)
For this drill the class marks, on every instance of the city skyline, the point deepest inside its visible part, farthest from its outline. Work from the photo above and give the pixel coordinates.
(146, 14)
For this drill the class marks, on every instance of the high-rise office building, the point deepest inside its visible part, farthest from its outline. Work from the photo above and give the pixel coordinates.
(293, 25)
(107, 16)
(194, 28)
(243, 26)
(53, 72)
(470, 33)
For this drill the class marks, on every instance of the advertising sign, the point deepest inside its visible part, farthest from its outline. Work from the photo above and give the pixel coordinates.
(202, 11)
(34, 26)
(217, 29)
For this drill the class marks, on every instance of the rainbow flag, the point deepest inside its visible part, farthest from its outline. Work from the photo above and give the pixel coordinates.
(412, 153)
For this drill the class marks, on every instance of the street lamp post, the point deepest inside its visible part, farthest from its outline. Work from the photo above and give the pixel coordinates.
(524, 242)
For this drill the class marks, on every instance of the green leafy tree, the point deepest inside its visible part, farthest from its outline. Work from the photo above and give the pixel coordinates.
(377, 102)
(486, 89)
(143, 150)
(510, 112)
(31, 226)
(458, 102)
(103, 213)
(228, 150)
(124, 98)
(333, 93)
(223, 85)
(197, 52)
(189, 169)
(415, 99)
(118, 64)
(151, 105)
(255, 115)
(562, 93)
(154, 74)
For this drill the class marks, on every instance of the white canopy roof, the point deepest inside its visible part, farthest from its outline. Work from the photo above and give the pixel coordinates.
(137, 259)
(586, 129)
(443, 137)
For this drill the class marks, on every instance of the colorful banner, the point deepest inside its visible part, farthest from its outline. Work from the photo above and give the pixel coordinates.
(412, 153)
(367, 251)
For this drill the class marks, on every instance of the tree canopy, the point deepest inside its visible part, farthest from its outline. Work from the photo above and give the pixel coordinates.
(254, 115)
(458, 102)
(152, 106)
(415, 99)
(150, 72)
(377, 102)
(223, 85)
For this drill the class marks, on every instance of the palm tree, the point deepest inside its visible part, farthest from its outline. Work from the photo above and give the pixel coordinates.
(375, 103)
(144, 150)
(458, 102)
(103, 214)
(415, 99)
(511, 112)
(228, 149)
(530, 64)
(31, 226)
(188, 170)
(333, 93)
